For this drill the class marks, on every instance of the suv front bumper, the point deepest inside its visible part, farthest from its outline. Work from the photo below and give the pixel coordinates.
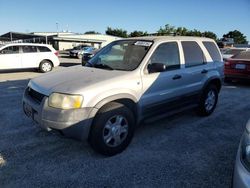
(74, 123)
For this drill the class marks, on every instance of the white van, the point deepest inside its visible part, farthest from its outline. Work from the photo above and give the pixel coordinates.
(25, 55)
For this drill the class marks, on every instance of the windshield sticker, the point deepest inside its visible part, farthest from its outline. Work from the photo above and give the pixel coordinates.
(143, 43)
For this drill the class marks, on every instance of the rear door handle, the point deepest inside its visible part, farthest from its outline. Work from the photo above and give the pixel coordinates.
(204, 71)
(176, 77)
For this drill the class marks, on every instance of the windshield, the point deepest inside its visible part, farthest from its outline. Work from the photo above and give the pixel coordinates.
(123, 55)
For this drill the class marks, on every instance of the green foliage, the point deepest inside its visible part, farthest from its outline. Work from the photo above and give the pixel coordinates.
(91, 32)
(138, 34)
(210, 34)
(182, 31)
(239, 38)
(167, 30)
(117, 32)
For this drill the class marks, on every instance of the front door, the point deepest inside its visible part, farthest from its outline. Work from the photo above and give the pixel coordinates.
(160, 88)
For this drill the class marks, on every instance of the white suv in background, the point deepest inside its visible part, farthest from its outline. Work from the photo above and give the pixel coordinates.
(24, 55)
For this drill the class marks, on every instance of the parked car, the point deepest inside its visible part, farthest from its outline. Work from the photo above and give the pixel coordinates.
(87, 56)
(230, 52)
(238, 67)
(126, 82)
(241, 178)
(78, 52)
(25, 55)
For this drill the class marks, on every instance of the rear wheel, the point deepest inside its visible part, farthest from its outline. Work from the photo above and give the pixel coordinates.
(45, 66)
(112, 129)
(208, 101)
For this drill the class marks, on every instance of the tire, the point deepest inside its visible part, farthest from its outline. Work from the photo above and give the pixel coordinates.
(45, 66)
(208, 101)
(112, 129)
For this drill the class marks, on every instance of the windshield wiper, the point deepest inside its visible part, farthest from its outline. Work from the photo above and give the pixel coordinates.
(103, 66)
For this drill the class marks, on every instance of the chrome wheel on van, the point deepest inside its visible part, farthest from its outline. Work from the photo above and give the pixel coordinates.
(45, 66)
(115, 131)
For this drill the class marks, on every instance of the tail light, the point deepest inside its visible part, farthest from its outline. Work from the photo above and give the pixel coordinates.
(227, 63)
(57, 53)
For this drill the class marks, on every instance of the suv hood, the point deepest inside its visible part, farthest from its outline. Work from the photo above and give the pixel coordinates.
(72, 80)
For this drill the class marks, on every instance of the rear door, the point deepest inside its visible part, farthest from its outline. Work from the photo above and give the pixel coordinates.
(196, 66)
(30, 58)
(10, 58)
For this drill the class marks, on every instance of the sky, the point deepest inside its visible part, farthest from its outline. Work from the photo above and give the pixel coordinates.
(218, 16)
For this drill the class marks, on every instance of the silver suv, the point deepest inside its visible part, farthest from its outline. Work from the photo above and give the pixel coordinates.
(124, 83)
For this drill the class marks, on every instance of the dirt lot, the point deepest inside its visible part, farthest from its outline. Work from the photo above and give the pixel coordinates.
(181, 151)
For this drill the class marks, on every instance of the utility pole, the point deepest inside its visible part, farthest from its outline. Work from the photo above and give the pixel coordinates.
(57, 28)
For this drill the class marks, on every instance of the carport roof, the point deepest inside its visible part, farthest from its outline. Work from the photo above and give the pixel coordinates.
(67, 39)
(18, 36)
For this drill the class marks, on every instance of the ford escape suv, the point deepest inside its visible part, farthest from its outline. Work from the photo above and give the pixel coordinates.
(124, 83)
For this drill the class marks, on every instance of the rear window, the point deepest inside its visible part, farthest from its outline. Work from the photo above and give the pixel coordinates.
(242, 55)
(43, 49)
(213, 51)
(29, 49)
(233, 51)
(193, 54)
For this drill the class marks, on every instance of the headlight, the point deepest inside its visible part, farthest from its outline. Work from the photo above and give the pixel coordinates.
(245, 147)
(64, 101)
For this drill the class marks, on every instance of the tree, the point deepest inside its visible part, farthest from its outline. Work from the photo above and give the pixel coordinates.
(167, 30)
(182, 31)
(117, 32)
(138, 34)
(210, 34)
(91, 32)
(239, 38)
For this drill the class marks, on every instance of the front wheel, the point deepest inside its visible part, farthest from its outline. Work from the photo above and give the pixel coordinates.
(45, 66)
(208, 101)
(112, 129)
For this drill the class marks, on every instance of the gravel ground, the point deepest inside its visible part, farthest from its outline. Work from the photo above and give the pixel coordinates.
(182, 151)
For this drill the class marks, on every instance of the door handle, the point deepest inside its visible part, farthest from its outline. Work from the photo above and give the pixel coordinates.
(176, 77)
(204, 71)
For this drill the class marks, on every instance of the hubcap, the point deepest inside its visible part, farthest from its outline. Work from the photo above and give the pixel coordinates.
(115, 131)
(210, 100)
(46, 67)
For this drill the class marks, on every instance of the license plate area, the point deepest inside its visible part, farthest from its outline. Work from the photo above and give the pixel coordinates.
(240, 66)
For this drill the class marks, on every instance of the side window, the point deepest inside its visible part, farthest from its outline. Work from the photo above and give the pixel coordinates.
(168, 54)
(10, 50)
(192, 53)
(29, 49)
(43, 49)
(213, 51)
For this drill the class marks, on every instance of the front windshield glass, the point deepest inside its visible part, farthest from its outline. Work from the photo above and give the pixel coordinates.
(125, 55)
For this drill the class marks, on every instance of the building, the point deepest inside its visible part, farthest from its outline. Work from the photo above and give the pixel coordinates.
(59, 40)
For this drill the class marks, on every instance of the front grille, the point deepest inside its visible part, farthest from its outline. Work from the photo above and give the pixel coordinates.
(35, 95)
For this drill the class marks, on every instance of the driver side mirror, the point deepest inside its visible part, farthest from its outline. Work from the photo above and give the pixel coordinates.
(156, 67)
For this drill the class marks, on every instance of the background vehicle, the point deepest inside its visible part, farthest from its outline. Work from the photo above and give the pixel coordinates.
(124, 83)
(87, 56)
(80, 50)
(241, 178)
(24, 55)
(230, 52)
(238, 67)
